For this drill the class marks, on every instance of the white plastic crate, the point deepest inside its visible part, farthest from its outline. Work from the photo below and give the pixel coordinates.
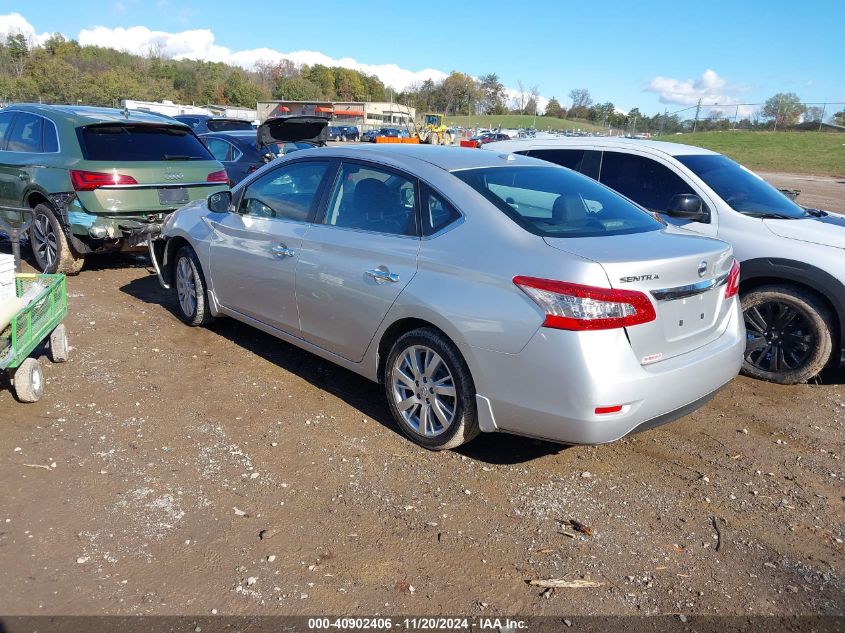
(7, 276)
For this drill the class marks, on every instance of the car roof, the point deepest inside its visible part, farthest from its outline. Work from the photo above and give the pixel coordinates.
(447, 158)
(78, 115)
(665, 147)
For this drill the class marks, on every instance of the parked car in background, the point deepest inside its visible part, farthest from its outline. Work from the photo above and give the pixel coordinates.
(242, 152)
(202, 124)
(97, 178)
(372, 135)
(490, 137)
(349, 133)
(486, 292)
(793, 268)
(334, 133)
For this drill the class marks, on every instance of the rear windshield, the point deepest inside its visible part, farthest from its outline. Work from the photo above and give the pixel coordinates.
(117, 142)
(228, 126)
(556, 202)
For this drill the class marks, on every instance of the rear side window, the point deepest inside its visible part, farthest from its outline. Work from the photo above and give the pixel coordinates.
(218, 148)
(643, 180)
(554, 202)
(25, 135)
(437, 214)
(585, 161)
(5, 123)
(49, 137)
(140, 143)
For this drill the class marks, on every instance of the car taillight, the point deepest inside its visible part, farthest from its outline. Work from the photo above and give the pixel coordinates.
(575, 307)
(218, 176)
(732, 289)
(90, 180)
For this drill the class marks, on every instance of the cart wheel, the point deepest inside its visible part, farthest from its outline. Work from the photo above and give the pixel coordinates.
(29, 381)
(58, 344)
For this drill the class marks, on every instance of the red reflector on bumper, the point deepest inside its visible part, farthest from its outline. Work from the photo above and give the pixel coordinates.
(614, 409)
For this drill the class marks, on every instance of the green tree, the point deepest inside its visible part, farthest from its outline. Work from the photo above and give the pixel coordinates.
(297, 89)
(491, 94)
(784, 108)
(553, 108)
(18, 49)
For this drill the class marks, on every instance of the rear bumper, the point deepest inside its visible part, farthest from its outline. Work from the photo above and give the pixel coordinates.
(551, 389)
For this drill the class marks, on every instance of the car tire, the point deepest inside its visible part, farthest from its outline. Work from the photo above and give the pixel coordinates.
(28, 381)
(790, 334)
(190, 289)
(59, 348)
(435, 407)
(50, 247)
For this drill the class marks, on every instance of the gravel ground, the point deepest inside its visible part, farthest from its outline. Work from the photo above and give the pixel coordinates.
(172, 470)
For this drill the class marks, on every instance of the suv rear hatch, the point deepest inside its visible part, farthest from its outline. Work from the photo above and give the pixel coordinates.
(684, 276)
(135, 170)
(294, 127)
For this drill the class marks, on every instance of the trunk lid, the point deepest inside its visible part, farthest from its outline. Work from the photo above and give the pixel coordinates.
(294, 127)
(162, 186)
(683, 275)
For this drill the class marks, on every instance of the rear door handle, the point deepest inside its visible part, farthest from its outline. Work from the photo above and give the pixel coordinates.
(281, 250)
(381, 274)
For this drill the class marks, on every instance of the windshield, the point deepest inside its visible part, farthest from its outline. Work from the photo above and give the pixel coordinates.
(743, 190)
(120, 142)
(556, 202)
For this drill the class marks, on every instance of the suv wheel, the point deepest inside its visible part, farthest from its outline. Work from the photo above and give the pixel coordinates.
(430, 391)
(789, 335)
(189, 285)
(50, 248)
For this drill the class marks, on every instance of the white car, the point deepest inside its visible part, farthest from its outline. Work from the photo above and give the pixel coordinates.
(793, 263)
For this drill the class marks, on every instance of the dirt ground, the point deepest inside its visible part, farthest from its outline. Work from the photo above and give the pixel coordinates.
(174, 470)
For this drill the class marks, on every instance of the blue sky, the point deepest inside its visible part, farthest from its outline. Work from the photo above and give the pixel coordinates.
(652, 55)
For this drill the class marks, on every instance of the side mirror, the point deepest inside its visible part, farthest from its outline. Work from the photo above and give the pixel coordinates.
(220, 202)
(688, 206)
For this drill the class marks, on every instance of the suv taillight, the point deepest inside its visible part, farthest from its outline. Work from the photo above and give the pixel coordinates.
(576, 307)
(218, 176)
(90, 180)
(732, 288)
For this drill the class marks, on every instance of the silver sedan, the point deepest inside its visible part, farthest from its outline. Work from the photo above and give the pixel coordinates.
(485, 292)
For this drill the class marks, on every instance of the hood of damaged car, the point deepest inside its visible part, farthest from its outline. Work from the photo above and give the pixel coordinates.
(294, 127)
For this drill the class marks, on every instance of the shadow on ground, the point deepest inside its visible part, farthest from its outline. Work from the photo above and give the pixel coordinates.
(363, 394)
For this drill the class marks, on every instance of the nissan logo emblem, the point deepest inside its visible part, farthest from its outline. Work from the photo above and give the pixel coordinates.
(702, 268)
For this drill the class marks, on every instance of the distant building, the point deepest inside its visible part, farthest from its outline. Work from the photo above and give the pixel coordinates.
(173, 109)
(162, 107)
(364, 114)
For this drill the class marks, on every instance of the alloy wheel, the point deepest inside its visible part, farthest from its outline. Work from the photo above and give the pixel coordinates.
(186, 287)
(423, 390)
(46, 242)
(779, 337)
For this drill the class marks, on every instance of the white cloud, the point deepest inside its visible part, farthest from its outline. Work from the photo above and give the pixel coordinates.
(15, 23)
(710, 88)
(200, 44)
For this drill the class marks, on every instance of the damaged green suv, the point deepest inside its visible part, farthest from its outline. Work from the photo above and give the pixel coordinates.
(98, 179)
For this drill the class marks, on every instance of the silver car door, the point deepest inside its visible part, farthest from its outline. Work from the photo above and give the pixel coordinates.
(254, 250)
(354, 263)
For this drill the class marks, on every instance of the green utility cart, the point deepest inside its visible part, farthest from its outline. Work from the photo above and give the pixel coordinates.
(30, 326)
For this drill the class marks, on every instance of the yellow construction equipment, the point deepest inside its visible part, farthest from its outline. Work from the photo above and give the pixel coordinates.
(432, 130)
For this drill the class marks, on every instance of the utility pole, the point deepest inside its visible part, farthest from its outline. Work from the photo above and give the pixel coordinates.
(697, 110)
(663, 121)
(821, 118)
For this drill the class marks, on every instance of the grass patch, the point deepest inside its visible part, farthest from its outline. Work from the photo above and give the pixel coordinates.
(522, 121)
(812, 153)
